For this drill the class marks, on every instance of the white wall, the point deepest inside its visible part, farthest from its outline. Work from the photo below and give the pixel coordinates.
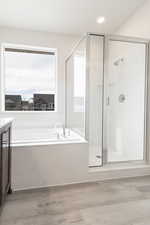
(63, 43)
(138, 24)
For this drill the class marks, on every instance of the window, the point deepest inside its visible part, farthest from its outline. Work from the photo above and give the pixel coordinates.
(29, 79)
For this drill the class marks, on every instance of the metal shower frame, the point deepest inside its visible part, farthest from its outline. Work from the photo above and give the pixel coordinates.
(146, 156)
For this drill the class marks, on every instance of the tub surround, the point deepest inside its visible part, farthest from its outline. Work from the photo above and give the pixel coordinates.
(61, 164)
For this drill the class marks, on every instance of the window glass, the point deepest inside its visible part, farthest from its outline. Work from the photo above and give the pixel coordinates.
(30, 80)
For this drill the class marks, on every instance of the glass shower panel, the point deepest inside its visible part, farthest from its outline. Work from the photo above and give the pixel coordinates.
(95, 98)
(125, 101)
(75, 89)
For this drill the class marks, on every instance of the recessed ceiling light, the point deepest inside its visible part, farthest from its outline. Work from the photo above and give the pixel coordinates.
(100, 19)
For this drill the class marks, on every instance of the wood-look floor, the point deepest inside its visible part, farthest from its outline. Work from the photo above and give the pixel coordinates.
(117, 202)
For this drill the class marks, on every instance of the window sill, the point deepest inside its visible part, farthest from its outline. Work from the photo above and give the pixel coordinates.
(32, 112)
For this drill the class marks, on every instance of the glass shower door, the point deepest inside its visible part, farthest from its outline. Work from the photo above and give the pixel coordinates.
(84, 94)
(75, 89)
(125, 100)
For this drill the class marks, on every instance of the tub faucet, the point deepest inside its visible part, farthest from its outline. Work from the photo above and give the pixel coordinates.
(58, 136)
(64, 131)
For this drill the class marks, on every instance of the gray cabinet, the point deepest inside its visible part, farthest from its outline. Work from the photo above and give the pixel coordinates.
(5, 162)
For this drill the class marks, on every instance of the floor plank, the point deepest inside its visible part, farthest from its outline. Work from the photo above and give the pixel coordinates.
(116, 202)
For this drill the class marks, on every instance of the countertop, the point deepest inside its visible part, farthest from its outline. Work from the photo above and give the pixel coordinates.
(5, 121)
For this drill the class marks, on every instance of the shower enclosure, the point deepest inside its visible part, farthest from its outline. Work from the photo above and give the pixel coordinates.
(106, 97)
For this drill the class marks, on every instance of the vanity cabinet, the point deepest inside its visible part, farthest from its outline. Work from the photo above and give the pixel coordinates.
(5, 162)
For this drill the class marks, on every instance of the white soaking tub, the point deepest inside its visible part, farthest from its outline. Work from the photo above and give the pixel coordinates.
(42, 158)
(44, 136)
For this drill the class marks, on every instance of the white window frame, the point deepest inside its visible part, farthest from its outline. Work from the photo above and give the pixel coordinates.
(2, 75)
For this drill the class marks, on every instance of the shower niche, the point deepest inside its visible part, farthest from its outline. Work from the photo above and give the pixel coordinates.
(106, 97)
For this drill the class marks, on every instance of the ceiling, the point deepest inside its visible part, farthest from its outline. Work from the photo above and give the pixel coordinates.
(66, 16)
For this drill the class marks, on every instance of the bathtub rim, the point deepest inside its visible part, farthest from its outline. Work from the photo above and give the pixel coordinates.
(47, 143)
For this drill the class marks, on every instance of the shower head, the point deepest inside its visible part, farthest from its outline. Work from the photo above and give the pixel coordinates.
(118, 61)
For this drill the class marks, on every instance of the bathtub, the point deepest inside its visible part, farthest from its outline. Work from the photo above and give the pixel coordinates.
(42, 158)
(44, 136)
